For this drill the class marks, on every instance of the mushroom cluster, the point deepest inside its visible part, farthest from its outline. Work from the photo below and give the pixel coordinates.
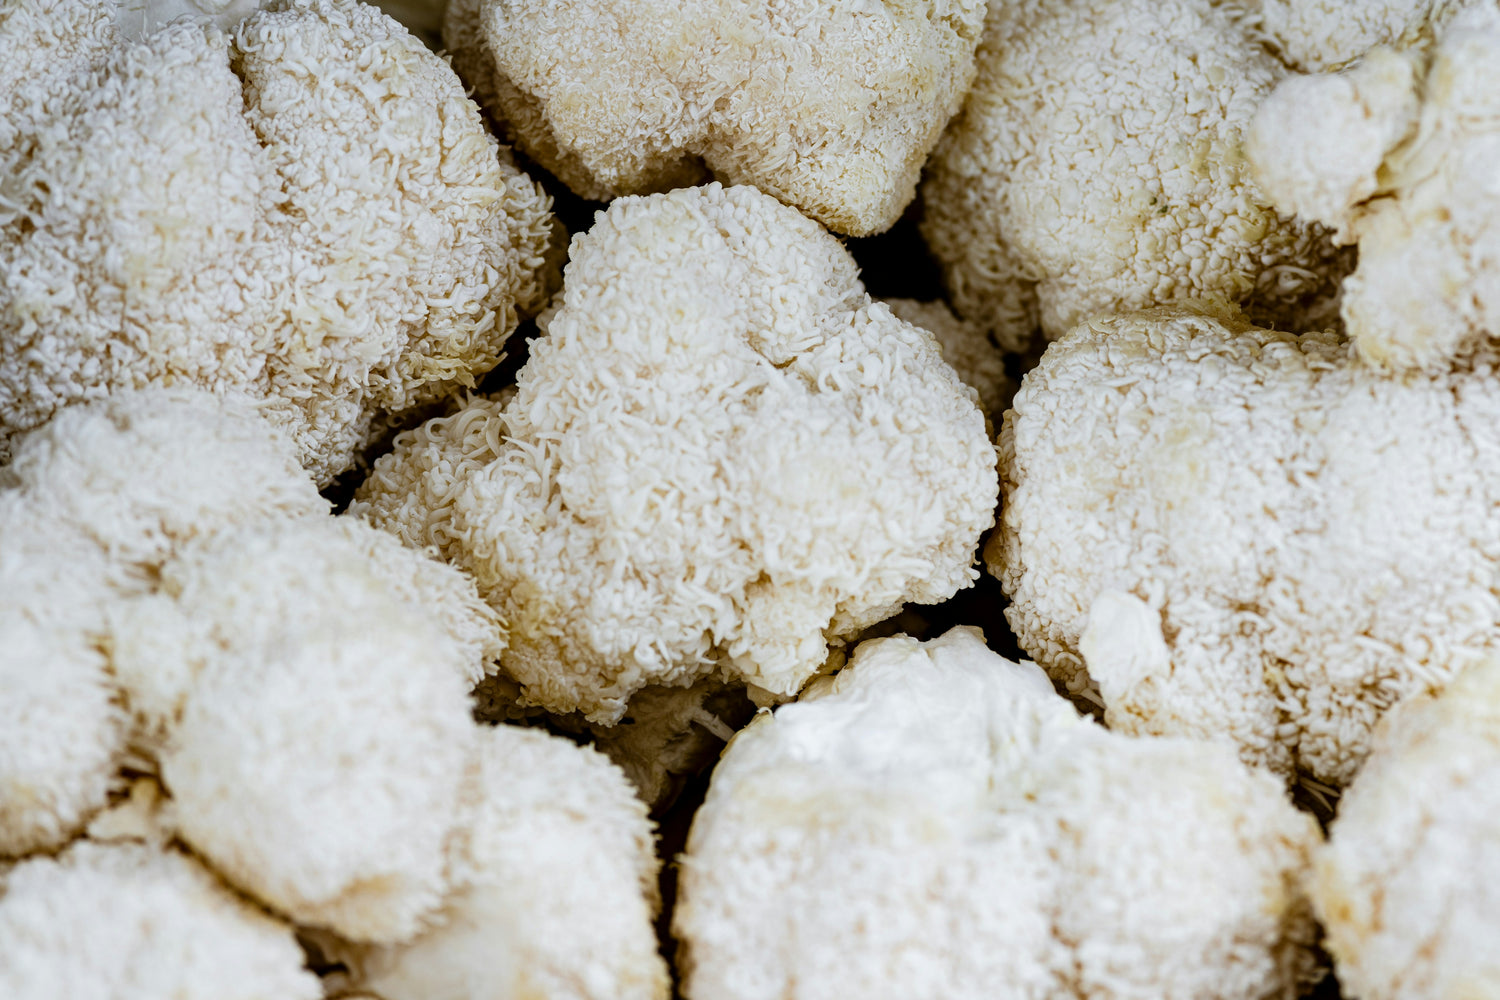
(626, 499)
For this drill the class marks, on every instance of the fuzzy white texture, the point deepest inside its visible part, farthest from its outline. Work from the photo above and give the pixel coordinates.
(61, 730)
(45, 48)
(441, 592)
(1317, 143)
(935, 822)
(1095, 167)
(132, 922)
(142, 472)
(1275, 541)
(161, 642)
(721, 457)
(318, 756)
(196, 208)
(1409, 884)
(831, 107)
(1398, 152)
(558, 887)
(90, 507)
(966, 347)
(1319, 35)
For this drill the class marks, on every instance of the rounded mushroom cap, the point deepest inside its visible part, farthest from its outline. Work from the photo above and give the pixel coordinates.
(934, 820)
(1058, 193)
(141, 472)
(131, 922)
(1269, 542)
(721, 455)
(195, 216)
(1408, 887)
(319, 754)
(829, 107)
(558, 886)
(162, 641)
